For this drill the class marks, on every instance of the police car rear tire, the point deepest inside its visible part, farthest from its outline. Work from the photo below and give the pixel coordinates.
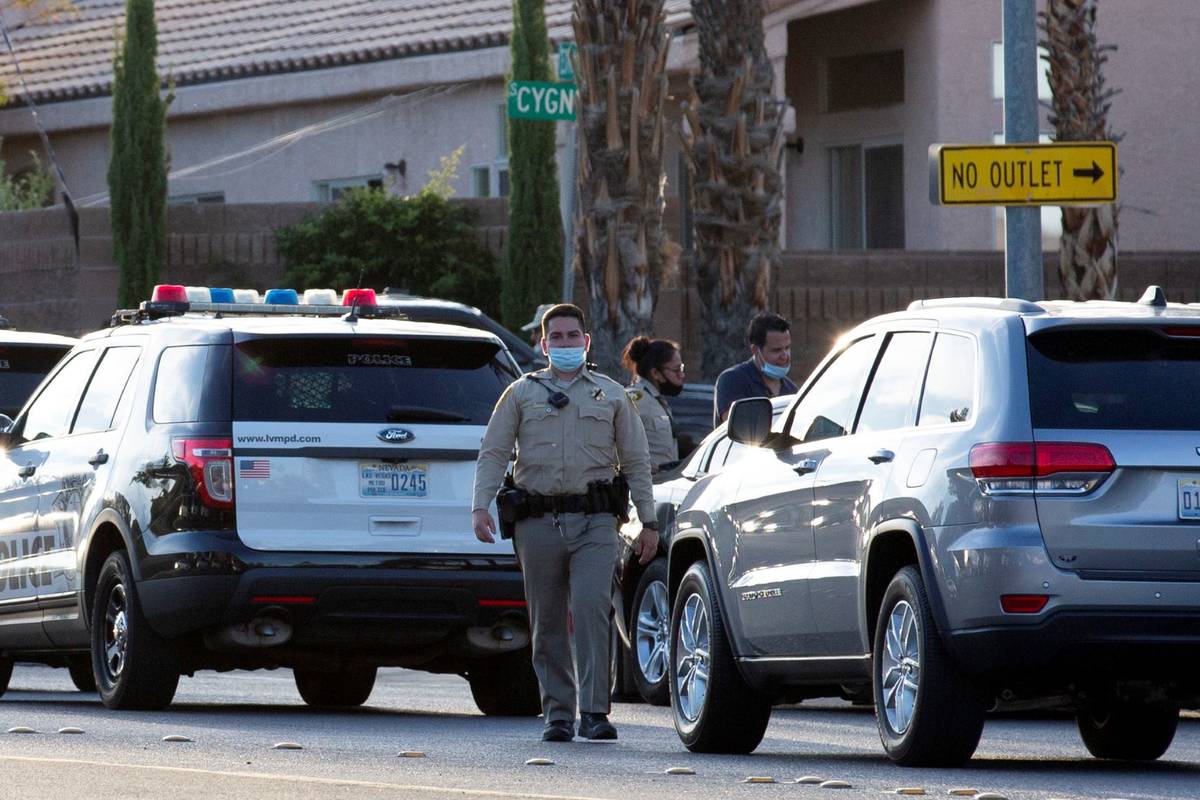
(346, 687)
(135, 668)
(80, 668)
(6, 668)
(506, 686)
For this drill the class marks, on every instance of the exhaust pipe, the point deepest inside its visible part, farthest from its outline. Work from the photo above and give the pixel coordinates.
(271, 627)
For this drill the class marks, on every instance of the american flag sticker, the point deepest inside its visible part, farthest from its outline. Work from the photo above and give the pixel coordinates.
(254, 467)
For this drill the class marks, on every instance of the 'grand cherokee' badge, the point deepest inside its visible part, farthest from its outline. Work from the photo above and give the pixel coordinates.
(396, 435)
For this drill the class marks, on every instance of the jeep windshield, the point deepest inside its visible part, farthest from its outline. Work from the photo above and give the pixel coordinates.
(378, 379)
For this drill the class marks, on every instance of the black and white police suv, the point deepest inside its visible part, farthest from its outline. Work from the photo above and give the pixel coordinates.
(25, 358)
(222, 485)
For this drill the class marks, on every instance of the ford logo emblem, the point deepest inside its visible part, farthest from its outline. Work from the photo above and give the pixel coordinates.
(396, 435)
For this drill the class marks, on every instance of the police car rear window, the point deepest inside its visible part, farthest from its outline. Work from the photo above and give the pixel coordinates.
(22, 368)
(368, 380)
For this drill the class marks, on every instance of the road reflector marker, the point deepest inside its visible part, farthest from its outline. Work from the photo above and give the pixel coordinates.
(539, 762)
(835, 785)
(70, 730)
(813, 779)
(410, 754)
(287, 746)
(680, 771)
(759, 779)
(175, 737)
(910, 790)
(21, 729)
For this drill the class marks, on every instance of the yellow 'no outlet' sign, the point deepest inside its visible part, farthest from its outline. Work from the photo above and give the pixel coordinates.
(1066, 174)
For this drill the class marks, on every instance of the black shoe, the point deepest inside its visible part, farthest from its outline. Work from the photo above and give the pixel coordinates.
(559, 731)
(596, 726)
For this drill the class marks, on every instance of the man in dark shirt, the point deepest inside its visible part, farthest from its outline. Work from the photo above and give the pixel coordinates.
(764, 374)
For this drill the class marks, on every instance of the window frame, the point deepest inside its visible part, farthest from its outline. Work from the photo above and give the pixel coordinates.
(862, 145)
(976, 395)
(790, 416)
(918, 387)
(17, 433)
(129, 379)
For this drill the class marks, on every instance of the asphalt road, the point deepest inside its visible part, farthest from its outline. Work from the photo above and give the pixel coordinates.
(235, 720)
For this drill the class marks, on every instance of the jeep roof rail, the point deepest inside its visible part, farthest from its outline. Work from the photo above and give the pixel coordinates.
(995, 303)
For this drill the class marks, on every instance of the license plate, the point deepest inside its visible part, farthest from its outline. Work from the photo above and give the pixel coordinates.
(1189, 499)
(379, 479)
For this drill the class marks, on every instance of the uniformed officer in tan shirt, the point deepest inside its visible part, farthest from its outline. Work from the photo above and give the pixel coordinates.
(657, 369)
(570, 427)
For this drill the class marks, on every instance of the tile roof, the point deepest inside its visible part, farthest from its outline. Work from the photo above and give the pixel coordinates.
(209, 40)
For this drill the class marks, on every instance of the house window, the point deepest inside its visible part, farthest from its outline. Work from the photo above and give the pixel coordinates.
(867, 80)
(331, 191)
(200, 198)
(481, 181)
(866, 191)
(490, 180)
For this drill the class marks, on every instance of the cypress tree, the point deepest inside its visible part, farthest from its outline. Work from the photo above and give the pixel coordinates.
(137, 167)
(533, 256)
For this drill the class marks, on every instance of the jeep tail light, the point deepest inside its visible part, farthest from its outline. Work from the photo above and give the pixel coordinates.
(1023, 603)
(1041, 467)
(210, 462)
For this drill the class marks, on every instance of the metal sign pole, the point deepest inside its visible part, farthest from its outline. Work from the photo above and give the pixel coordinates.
(568, 201)
(1022, 225)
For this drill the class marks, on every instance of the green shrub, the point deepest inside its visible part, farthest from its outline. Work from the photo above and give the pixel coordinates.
(424, 244)
(31, 189)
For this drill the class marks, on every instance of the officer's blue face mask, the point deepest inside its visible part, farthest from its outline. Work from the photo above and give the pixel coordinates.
(566, 359)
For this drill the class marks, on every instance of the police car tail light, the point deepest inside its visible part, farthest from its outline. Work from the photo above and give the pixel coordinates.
(282, 297)
(169, 293)
(320, 297)
(210, 462)
(1044, 468)
(359, 297)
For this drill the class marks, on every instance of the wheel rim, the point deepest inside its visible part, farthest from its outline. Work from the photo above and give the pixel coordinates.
(116, 632)
(900, 666)
(653, 632)
(692, 658)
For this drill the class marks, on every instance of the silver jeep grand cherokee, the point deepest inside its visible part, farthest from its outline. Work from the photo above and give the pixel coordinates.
(973, 504)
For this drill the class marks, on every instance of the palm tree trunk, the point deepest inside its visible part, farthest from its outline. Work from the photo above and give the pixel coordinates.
(1087, 256)
(620, 246)
(733, 140)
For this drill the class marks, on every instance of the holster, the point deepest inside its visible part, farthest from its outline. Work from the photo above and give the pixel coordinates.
(609, 497)
(512, 505)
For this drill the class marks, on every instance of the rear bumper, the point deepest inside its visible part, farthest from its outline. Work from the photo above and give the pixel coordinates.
(332, 601)
(1086, 645)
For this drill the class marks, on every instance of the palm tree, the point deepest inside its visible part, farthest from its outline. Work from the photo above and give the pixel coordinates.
(733, 140)
(620, 245)
(1087, 255)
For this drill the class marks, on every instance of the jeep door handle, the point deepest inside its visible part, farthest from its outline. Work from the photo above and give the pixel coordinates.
(880, 456)
(27, 470)
(101, 457)
(806, 466)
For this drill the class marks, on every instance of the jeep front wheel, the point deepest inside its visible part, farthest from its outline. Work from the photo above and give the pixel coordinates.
(715, 710)
(928, 712)
(134, 667)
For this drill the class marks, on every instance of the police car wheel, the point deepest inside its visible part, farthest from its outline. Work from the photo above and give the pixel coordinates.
(346, 687)
(651, 633)
(80, 668)
(506, 685)
(6, 668)
(135, 668)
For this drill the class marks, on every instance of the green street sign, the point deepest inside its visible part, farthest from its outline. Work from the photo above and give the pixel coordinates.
(566, 68)
(541, 100)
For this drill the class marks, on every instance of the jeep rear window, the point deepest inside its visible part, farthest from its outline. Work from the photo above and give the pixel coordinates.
(1113, 379)
(368, 380)
(22, 368)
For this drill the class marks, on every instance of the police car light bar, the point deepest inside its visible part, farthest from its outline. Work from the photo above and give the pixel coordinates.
(172, 301)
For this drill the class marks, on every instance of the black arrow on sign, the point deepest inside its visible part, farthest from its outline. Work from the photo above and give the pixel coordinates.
(1095, 173)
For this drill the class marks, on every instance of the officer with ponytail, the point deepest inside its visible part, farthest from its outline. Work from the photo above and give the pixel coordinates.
(657, 369)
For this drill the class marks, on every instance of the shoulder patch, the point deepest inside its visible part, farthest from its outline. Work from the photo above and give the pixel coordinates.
(635, 395)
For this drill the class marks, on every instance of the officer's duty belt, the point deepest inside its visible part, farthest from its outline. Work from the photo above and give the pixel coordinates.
(560, 504)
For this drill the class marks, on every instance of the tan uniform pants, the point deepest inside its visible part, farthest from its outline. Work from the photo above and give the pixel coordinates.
(569, 564)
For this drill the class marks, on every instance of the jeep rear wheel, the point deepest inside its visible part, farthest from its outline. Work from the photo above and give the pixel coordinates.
(506, 686)
(346, 687)
(1128, 730)
(928, 712)
(715, 711)
(135, 667)
(651, 634)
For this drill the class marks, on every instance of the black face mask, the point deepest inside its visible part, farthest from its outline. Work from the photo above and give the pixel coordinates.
(668, 389)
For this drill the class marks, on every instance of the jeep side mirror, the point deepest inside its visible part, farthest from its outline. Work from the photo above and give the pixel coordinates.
(750, 421)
